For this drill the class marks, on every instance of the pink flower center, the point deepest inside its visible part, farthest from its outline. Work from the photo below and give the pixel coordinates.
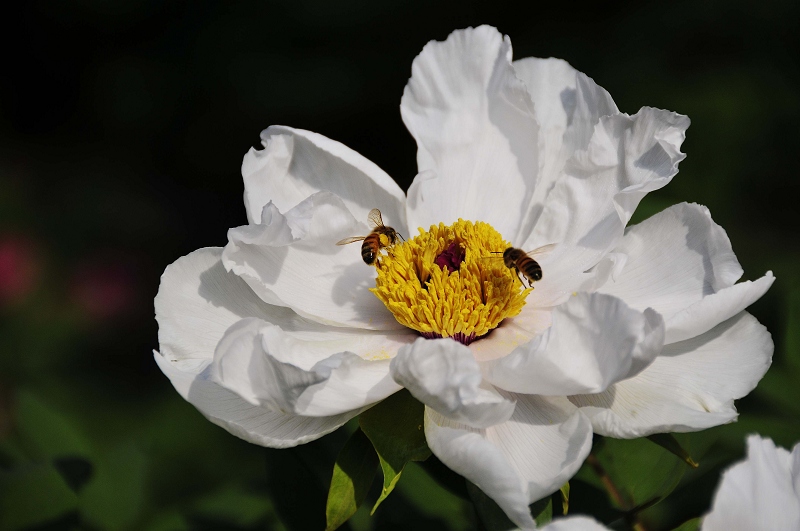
(451, 257)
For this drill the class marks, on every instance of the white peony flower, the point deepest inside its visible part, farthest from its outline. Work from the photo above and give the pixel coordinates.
(760, 493)
(575, 523)
(282, 336)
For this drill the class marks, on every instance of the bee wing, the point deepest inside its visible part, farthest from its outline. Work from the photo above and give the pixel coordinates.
(544, 249)
(350, 240)
(375, 217)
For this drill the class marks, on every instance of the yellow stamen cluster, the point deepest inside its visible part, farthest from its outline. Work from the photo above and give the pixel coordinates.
(470, 301)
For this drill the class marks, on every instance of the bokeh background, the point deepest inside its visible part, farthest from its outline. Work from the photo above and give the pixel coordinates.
(122, 133)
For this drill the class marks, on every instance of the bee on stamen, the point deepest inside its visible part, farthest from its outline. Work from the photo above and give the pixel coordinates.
(372, 241)
(523, 263)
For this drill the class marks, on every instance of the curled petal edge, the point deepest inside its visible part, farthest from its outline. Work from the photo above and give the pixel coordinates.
(443, 374)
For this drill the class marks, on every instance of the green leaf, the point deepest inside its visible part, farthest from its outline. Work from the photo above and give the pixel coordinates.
(690, 525)
(432, 500)
(491, 515)
(235, 507)
(45, 432)
(115, 496)
(169, 520)
(542, 511)
(779, 386)
(33, 494)
(353, 474)
(668, 442)
(565, 498)
(635, 474)
(791, 341)
(395, 428)
(76, 471)
(494, 518)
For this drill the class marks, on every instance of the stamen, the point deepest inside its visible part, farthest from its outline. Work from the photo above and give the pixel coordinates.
(460, 337)
(446, 282)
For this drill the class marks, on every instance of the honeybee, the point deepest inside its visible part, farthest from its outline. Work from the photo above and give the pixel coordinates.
(372, 241)
(523, 263)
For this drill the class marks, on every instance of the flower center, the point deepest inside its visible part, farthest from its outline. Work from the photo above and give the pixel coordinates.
(450, 281)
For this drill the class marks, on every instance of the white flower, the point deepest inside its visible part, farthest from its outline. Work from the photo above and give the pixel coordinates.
(278, 338)
(575, 523)
(760, 493)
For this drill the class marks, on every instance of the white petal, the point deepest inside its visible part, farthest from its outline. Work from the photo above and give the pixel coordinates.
(708, 312)
(689, 387)
(471, 455)
(513, 332)
(254, 424)
(567, 105)
(796, 468)
(546, 441)
(198, 300)
(607, 269)
(520, 461)
(588, 208)
(675, 258)
(575, 523)
(272, 368)
(312, 275)
(595, 341)
(758, 493)
(443, 374)
(551, 84)
(295, 164)
(475, 131)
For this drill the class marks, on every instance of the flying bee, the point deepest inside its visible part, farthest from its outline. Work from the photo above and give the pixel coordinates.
(372, 241)
(524, 264)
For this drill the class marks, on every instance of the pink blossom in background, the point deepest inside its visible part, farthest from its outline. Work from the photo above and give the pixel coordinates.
(20, 268)
(103, 290)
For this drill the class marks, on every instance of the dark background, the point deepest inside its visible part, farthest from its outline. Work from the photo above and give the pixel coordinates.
(121, 138)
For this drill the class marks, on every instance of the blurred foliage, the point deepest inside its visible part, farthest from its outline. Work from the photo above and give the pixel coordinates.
(123, 128)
